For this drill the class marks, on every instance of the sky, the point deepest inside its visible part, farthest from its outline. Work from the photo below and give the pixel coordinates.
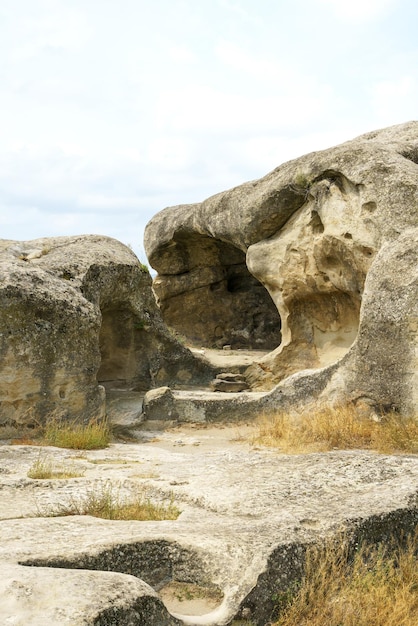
(111, 110)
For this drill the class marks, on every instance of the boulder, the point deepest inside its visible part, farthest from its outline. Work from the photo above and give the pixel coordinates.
(77, 315)
(331, 237)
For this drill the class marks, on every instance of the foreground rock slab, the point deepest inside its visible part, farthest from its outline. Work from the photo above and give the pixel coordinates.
(247, 515)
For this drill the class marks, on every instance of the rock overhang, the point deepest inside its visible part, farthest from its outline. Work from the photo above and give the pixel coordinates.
(311, 230)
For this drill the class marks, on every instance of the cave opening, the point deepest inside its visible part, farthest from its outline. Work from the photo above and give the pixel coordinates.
(212, 300)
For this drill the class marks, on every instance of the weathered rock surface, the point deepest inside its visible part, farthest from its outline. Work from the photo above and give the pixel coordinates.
(332, 236)
(77, 314)
(247, 515)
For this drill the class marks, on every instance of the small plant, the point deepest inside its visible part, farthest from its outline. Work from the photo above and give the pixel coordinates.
(145, 475)
(377, 586)
(67, 275)
(339, 427)
(144, 267)
(43, 468)
(106, 501)
(92, 436)
(302, 183)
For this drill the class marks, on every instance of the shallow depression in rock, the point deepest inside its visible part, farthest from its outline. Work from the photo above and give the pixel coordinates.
(190, 599)
(175, 573)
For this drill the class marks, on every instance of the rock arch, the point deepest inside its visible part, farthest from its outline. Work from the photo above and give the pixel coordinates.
(312, 230)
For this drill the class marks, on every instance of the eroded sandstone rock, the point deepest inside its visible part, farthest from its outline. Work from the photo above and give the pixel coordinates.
(312, 230)
(77, 314)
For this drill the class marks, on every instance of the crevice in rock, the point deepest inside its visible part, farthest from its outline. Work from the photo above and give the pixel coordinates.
(335, 178)
(123, 344)
(316, 223)
(411, 155)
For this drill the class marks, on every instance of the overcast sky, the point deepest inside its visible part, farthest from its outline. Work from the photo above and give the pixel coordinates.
(111, 110)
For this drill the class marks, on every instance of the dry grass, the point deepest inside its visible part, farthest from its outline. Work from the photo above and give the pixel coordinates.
(379, 587)
(43, 468)
(397, 434)
(107, 502)
(92, 436)
(339, 427)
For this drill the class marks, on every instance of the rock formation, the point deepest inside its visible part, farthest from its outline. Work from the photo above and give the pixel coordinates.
(316, 261)
(332, 237)
(77, 314)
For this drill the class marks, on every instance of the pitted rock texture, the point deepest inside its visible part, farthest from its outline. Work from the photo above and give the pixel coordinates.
(77, 314)
(332, 236)
(247, 515)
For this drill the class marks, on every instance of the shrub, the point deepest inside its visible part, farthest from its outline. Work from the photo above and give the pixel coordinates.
(302, 183)
(395, 433)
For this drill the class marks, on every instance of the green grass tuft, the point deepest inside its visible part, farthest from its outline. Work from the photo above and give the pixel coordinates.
(44, 468)
(107, 502)
(92, 436)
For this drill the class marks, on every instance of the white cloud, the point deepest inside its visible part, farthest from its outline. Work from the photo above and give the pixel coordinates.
(238, 9)
(174, 153)
(182, 54)
(110, 112)
(259, 68)
(395, 101)
(43, 28)
(204, 109)
(359, 10)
